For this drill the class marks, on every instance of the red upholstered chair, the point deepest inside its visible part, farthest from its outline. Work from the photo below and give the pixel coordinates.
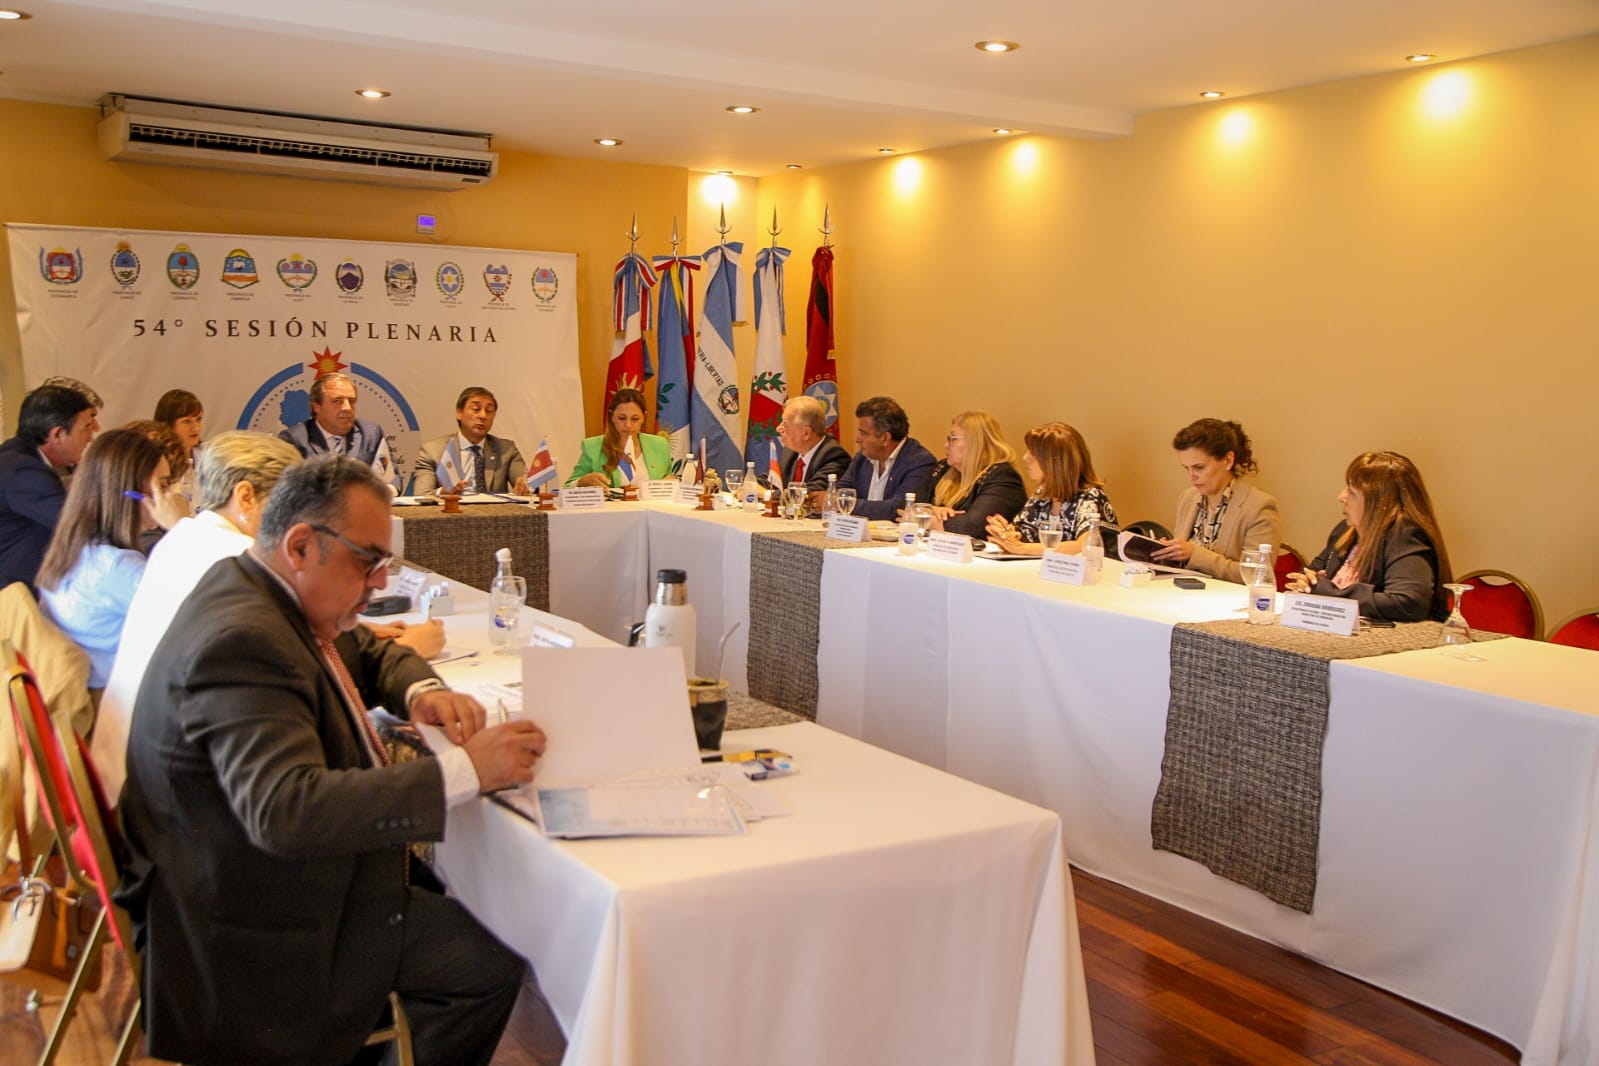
(1581, 630)
(1289, 561)
(1501, 603)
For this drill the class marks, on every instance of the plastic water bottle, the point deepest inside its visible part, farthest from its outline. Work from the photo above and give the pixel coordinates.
(1263, 592)
(1093, 550)
(751, 489)
(909, 531)
(507, 592)
(830, 499)
(669, 622)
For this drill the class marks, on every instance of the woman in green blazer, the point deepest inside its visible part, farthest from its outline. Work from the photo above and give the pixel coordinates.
(623, 455)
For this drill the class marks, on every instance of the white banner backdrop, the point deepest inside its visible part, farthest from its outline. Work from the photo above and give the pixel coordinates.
(246, 323)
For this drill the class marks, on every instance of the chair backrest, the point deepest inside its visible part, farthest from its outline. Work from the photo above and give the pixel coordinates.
(1580, 630)
(1289, 561)
(1149, 528)
(68, 790)
(1501, 603)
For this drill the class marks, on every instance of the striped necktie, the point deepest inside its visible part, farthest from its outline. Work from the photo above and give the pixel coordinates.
(479, 481)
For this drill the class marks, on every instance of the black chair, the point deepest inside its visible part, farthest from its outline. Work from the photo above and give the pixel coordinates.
(1148, 528)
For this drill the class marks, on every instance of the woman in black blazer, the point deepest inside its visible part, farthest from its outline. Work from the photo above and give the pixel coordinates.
(1387, 553)
(975, 478)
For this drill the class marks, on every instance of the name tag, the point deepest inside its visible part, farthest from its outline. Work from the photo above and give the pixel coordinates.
(950, 547)
(550, 637)
(687, 492)
(586, 498)
(660, 491)
(1321, 614)
(1066, 569)
(408, 584)
(851, 527)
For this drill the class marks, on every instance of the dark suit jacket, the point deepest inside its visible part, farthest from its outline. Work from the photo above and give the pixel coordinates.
(503, 464)
(1404, 584)
(360, 443)
(904, 476)
(265, 880)
(830, 458)
(999, 491)
(31, 496)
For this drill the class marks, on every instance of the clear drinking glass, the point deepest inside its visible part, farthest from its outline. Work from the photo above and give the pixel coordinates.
(1250, 563)
(1456, 639)
(506, 631)
(794, 501)
(1050, 534)
(732, 481)
(845, 501)
(923, 513)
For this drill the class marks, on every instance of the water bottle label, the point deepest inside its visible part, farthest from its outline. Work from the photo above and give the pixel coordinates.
(1262, 603)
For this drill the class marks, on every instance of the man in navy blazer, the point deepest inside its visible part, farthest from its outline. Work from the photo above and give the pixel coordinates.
(54, 426)
(888, 456)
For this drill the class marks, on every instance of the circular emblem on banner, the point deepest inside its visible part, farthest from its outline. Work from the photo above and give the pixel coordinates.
(399, 276)
(297, 272)
(124, 265)
(349, 276)
(238, 269)
(545, 284)
(728, 400)
(284, 401)
(498, 281)
(827, 392)
(183, 269)
(449, 279)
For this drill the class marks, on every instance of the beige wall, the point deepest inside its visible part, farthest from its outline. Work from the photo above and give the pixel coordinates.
(1403, 261)
(1406, 261)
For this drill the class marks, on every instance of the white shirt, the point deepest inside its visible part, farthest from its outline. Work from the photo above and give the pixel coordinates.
(879, 485)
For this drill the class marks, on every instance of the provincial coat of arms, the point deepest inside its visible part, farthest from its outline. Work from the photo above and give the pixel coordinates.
(238, 269)
(545, 284)
(498, 280)
(449, 278)
(183, 269)
(349, 276)
(399, 276)
(124, 265)
(61, 267)
(297, 272)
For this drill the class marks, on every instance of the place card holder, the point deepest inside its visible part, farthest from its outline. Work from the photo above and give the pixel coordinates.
(585, 498)
(408, 583)
(1067, 569)
(950, 547)
(850, 527)
(660, 491)
(1321, 614)
(687, 493)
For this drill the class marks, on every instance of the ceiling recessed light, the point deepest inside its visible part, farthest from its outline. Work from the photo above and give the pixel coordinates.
(607, 142)
(373, 94)
(742, 109)
(1420, 57)
(8, 15)
(886, 151)
(795, 166)
(1212, 94)
(725, 173)
(997, 47)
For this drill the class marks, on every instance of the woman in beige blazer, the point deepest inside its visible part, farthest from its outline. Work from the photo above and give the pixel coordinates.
(1219, 515)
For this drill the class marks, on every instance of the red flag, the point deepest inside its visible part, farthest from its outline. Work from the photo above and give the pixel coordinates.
(821, 369)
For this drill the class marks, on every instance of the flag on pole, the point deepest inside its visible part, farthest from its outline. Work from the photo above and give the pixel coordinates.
(541, 471)
(449, 468)
(630, 356)
(821, 370)
(774, 472)
(769, 389)
(674, 336)
(714, 410)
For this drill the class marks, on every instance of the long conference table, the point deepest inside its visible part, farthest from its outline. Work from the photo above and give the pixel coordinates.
(1458, 862)
(898, 916)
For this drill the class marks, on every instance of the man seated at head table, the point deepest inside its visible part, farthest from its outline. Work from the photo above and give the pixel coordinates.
(333, 428)
(267, 831)
(808, 454)
(888, 462)
(472, 459)
(54, 426)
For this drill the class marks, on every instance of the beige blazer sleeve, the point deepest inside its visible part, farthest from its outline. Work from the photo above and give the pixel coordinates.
(1251, 519)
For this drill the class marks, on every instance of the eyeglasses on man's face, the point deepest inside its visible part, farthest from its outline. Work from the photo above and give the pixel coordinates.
(376, 562)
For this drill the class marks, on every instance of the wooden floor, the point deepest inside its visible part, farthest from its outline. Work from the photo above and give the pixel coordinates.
(1166, 989)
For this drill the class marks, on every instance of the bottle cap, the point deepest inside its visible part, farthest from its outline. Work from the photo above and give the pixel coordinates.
(502, 556)
(671, 577)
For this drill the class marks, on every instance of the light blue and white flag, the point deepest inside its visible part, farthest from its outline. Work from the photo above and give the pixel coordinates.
(714, 410)
(674, 338)
(449, 468)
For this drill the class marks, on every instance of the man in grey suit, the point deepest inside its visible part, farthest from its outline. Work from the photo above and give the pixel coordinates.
(267, 829)
(485, 463)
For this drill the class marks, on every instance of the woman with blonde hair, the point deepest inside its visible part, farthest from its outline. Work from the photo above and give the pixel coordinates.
(1057, 460)
(1388, 552)
(975, 479)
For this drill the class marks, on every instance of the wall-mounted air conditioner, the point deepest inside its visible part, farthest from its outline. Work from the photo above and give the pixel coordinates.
(144, 130)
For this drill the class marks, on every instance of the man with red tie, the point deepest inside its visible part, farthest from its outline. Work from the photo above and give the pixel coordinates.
(809, 454)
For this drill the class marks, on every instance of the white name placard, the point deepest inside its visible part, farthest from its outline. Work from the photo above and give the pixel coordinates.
(660, 491)
(1067, 569)
(550, 637)
(584, 498)
(687, 492)
(408, 584)
(950, 547)
(1321, 614)
(851, 527)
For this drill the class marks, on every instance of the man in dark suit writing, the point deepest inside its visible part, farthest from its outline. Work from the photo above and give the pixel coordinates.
(268, 832)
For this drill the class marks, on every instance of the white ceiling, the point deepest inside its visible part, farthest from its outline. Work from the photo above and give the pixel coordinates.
(835, 79)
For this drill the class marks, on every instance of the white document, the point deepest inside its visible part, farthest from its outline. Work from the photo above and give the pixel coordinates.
(631, 810)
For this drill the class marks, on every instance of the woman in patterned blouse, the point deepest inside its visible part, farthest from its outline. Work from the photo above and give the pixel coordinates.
(1057, 461)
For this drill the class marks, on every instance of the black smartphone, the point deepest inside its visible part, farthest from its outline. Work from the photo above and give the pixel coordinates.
(1188, 583)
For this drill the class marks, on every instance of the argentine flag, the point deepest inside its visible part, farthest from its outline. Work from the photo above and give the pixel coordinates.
(674, 336)
(714, 409)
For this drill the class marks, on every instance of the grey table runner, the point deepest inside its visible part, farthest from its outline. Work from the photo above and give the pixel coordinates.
(461, 546)
(785, 616)
(1240, 781)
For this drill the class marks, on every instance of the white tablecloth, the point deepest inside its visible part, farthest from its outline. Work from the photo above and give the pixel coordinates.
(1457, 851)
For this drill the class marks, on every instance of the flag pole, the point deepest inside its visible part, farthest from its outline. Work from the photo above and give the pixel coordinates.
(674, 237)
(774, 231)
(825, 229)
(632, 236)
(722, 227)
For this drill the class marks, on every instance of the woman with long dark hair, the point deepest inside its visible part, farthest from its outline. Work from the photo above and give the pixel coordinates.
(1219, 514)
(1058, 461)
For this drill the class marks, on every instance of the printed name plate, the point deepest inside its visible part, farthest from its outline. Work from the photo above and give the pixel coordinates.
(586, 498)
(550, 637)
(1066, 569)
(1321, 614)
(408, 584)
(950, 547)
(660, 491)
(851, 527)
(687, 492)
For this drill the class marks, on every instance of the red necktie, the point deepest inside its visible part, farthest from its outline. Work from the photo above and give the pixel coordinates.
(353, 700)
(799, 470)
